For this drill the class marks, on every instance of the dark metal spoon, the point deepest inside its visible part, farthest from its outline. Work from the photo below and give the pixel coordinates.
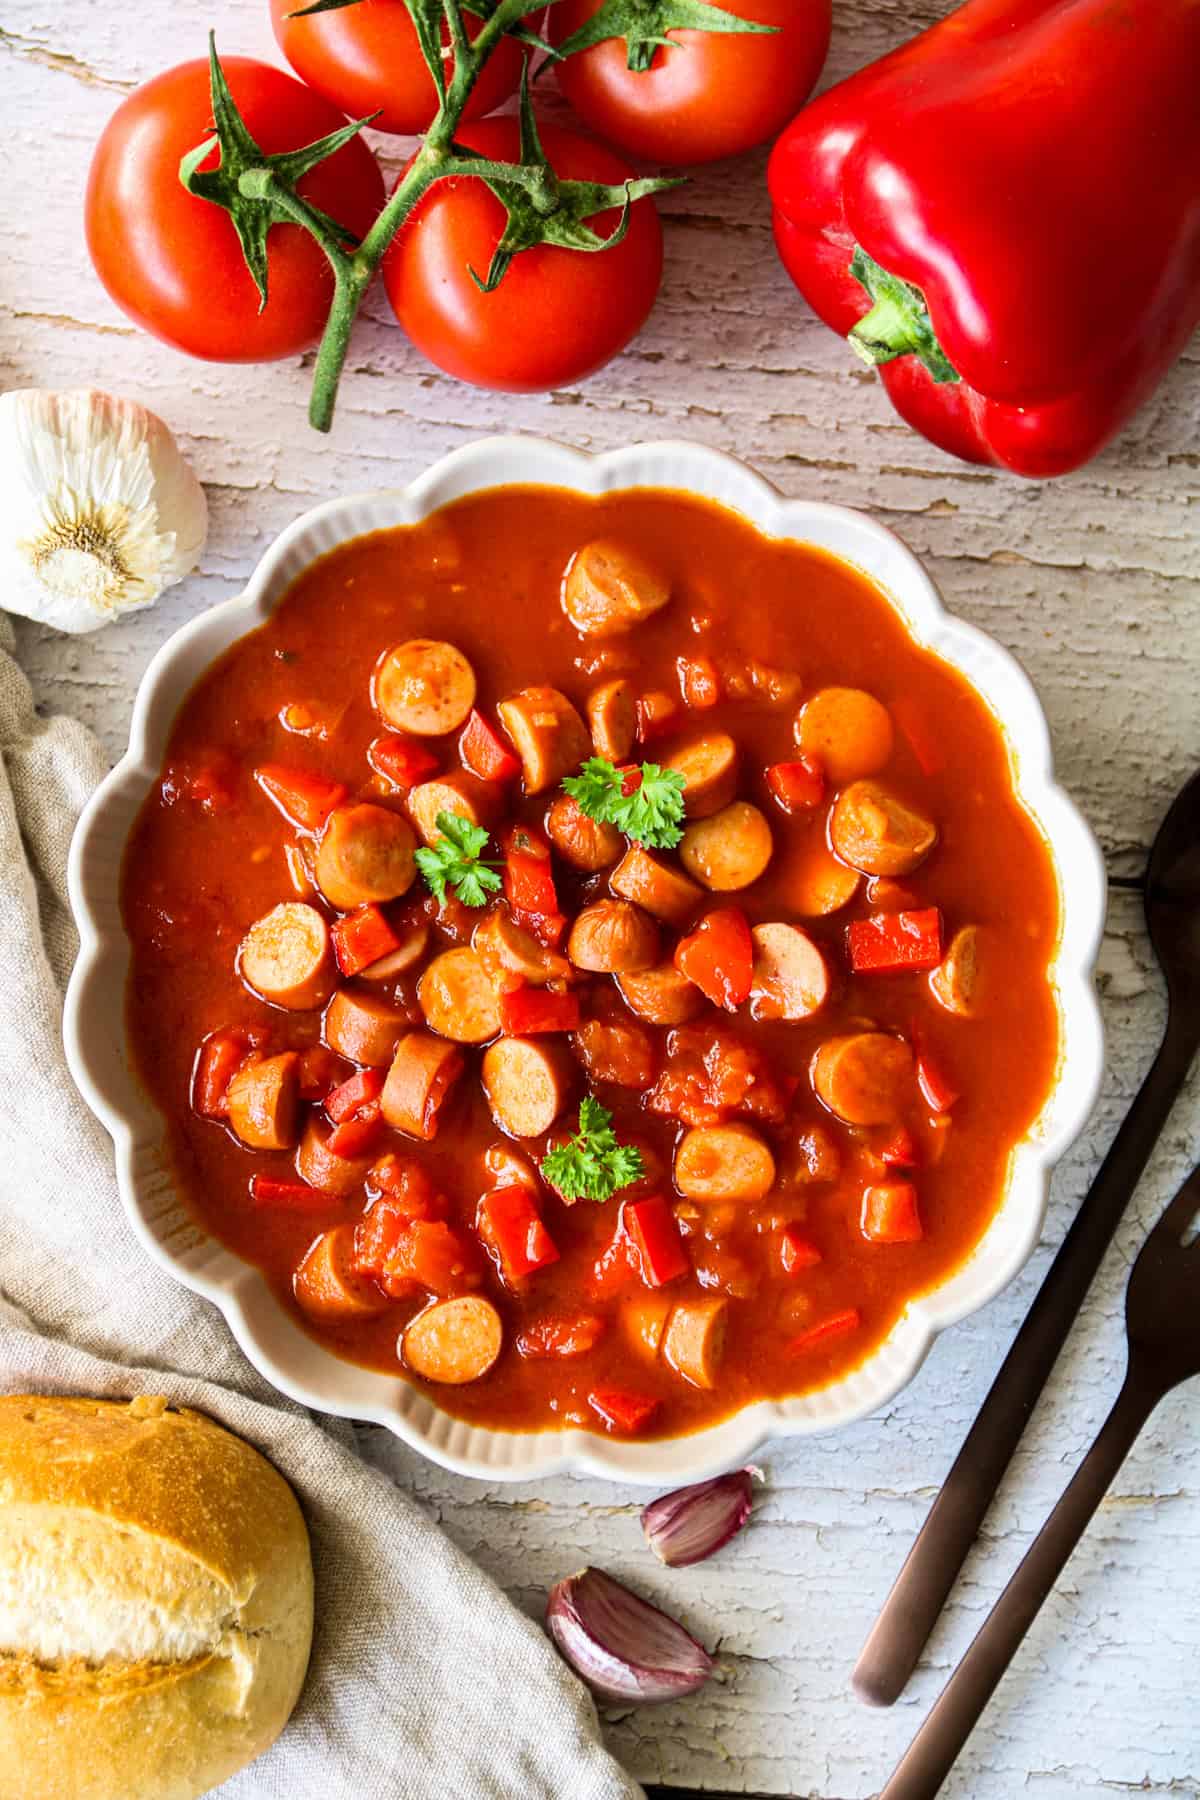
(911, 1610)
(1162, 1320)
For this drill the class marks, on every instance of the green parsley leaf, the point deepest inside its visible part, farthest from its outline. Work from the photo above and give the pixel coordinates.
(649, 810)
(592, 1165)
(454, 860)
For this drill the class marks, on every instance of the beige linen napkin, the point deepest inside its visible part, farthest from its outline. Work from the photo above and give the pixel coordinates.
(424, 1681)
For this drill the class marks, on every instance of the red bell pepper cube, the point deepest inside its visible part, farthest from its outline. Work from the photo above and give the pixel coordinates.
(890, 1214)
(351, 1097)
(304, 797)
(718, 957)
(615, 1269)
(355, 1137)
(361, 938)
(569, 1335)
(699, 682)
(621, 1410)
(934, 1083)
(835, 1326)
(217, 1061)
(797, 1250)
(269, 1190)
(900, 1151)
(657, 713)
(655, 1235)
(318, 1072)
(401, 761)
(485, 752)
(529, 1012)
(510, 1224)
(895, 943)
(797, 786)
(528, 873)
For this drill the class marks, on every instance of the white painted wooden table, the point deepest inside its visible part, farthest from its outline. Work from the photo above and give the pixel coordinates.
(1092, 581)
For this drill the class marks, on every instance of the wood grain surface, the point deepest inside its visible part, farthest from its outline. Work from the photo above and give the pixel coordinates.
(1092, 581)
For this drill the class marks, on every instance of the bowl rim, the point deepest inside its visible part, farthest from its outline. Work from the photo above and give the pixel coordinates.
(278, 1347)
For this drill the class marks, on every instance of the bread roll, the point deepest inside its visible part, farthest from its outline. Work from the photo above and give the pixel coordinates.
(155, 1601)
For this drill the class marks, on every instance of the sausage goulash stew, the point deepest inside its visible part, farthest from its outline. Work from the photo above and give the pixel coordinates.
(591, 960)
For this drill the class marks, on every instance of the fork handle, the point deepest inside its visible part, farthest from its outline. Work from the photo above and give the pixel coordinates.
(933, 1752)
(911, 1610)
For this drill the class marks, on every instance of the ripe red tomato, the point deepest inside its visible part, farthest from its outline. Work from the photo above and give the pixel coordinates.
(712, 94)
(558, 315)
(172, 261)
(366, 57)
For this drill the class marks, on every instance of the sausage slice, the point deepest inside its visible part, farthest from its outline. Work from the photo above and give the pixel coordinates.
(547, 733)
(461, 793)
(424, 686)
(363, 1028)
(423, 1071)
(527, 1082)
(818, 883)
(694, 1341)
(657, 887)
(365, 853)
(864, 1078)
(848, 731)
(661, 995)
(459, 998)
(512, 955)
(709, 766)
(414, 941)
(287, 957)
(264, 1102)
(955, 981)
(453, 1341)
(609, 587)
(790, 979)
(583, 842)
(327, 1286)
(611, 937)
(873, 831)
(728, 850)
(322, 1168)
(612, 718)
(723, 1162)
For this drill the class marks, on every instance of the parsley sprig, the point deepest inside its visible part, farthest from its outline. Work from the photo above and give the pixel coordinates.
(592, 1165)
(454, 861)
(645, 803)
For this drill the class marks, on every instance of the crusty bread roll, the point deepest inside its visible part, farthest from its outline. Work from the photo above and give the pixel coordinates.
(155, 1601)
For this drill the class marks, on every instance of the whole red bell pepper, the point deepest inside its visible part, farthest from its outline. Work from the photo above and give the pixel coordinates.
(1004, 214)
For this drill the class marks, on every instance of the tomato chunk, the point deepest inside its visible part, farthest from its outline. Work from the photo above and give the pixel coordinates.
(699, 682)
(485, 752)
(892, 943)
(657, 713)
(401, 761)
(621, 1410)
(356, 1094)
(429, 1254)
(571, 1335)
(718, 957)
(216, 1062)
(900, 1151)
(268, 1190)
(939, 1091)
(797, 786)
(508, 1221)
(355, 1137)
(654, 1231)
(890, 1214)
(528, 1012)
(797, 1250)
(835, 1326)
(528, 875)
(303, 797)
(361, 938)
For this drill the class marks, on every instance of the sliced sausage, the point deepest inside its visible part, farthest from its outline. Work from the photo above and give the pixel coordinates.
(453, 1341)
(728, 850)
(547, 733)
(848, 731)
(511, 955)
(709, 766)
(873, 831)
(864, 1078)
(459, 997)
(609, 587)
(322, 1168)
(423, 1071)
(817, 882)
(644, 1322)
(694, 1341)
(661, 995)
(612, 719)
(287, 957)
(723, 1162)
(414, 942)
(424, 686)
(506, 1167)
(527, 1082)
(264, 1102)
(657, 887)
(327, 1285)
(790, 979)
(955, 981)
(583, 842)
(612, 936)
(612, 1051)
(363, 1028)
(461, 793)
(365, 853)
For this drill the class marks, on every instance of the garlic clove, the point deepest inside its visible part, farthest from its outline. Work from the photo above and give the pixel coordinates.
(99, 511)
(624, 1648)
(695, 1522)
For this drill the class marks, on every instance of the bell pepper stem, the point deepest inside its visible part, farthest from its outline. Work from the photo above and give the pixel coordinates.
(898, 323)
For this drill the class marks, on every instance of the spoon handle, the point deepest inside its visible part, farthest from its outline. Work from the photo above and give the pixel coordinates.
(935, 1749)
(911, 1610)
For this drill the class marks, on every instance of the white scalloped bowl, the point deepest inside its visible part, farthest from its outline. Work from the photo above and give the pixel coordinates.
(294, 1362)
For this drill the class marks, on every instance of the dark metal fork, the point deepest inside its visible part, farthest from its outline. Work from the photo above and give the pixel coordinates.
(1162, 1321)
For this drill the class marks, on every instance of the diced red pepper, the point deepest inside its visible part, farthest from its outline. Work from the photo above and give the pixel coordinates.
(890, 1214)
(621, 1410)
(631, 778)
(615, 1269)
(797, 1250)
(895, 943)
(900, 1151)
(217, 1060)
(528, 1012)
(268, 1190)
(350, 1097)
(318, 1072)
(654, 1232)
(401, 761)
(718, 957)
(355, 1137)
(699, 682)
(510, 1224)
(361, 938)
(835, 1326)
(485, 752)
(657, 713)
(797, 786)
(528, 873)
(572, 1335)
(304, 797)
(939, 1091)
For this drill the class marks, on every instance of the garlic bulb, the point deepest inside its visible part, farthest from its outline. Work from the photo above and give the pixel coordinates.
(99, 512)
